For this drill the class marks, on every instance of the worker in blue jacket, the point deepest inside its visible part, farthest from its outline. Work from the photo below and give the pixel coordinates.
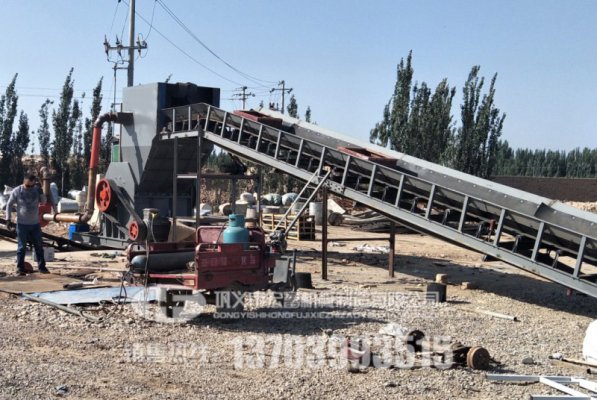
(27, 198)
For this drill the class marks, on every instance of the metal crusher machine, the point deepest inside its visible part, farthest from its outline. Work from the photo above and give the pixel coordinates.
(169, 129)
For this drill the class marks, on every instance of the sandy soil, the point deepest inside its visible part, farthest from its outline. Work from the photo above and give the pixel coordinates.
(46, 352)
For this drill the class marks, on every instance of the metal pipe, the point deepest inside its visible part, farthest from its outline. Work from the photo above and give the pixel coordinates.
(392, 251)
(492, 314)
(162, 262)
(46, 176)
(573, 361)
(91, 175)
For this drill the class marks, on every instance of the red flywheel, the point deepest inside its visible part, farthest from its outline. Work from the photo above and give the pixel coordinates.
(104, 196)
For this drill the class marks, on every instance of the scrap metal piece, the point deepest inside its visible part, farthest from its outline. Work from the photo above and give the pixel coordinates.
(69, 310)
(557, 382)
(478, 358)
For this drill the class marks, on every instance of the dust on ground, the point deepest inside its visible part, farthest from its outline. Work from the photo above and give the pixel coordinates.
(46, 352)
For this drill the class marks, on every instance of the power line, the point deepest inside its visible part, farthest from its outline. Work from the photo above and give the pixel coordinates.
(114, 17)
(186, 28)
(43, 88)
(52, 96)
(184, 52)
(126, 17)
(151, 23)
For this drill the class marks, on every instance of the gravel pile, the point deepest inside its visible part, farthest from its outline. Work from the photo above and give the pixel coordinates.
(46, 353)
(588, 206)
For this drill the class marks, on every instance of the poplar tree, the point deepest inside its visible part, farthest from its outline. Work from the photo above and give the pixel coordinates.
(476, 144)
(393, 128)
(8, 113)
(63, 139)
(20, 143)
(420, 124)
(96, 108)
(292, 107)
(43, 132)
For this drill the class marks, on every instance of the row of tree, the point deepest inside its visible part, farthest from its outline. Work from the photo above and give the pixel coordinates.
(292, 109)
(418, 121)
(577, 163)
(13, 143)
(64, 136)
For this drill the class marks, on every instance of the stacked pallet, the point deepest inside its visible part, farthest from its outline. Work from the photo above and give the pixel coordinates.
(303, 229)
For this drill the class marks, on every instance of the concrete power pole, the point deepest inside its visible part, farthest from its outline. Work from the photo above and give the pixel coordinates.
(140, 45)
(244, 95)
(131, 68)
(283, 90)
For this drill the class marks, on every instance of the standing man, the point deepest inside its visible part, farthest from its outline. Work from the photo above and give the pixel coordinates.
(27, 197)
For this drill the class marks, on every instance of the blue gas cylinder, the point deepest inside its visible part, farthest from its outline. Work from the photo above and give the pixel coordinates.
(236, 231)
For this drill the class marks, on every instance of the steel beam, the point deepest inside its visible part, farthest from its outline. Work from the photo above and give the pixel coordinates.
(324, 235)
(174, 185)
(522, 213)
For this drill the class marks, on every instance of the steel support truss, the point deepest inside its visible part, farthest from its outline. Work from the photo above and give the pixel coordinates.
(508, 229)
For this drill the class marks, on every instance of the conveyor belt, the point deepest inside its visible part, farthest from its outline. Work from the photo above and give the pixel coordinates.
(535, 234)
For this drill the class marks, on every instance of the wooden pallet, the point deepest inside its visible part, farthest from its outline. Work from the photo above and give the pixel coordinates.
(303, 229)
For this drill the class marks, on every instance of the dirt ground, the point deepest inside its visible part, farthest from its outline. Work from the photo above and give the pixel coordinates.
(48, 353)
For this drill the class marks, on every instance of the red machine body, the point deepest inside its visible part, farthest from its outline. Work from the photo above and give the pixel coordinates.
(259, 117)
(221, 265)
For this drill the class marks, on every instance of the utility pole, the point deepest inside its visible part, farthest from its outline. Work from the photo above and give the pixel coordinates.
(131, 69)
(244, 95)
(140, 45)
(283, 90)
(116, 68)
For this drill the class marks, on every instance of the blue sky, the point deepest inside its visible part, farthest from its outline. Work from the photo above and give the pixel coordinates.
(339, 56)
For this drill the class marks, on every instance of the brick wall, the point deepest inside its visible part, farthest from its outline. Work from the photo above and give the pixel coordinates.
(564, 189)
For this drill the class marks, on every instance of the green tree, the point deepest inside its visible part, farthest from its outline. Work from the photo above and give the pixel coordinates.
(440, 130)
(20, 143)
(393, 129)
(415, 139)
(43, 132)
(308, 114)
(419, 125)
(77, 162)
(505, 162)
(63, 132)
(8, 113)
(477, 139)
(292, 107)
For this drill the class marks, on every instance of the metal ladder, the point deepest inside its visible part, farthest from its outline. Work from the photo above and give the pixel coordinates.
(533, 238)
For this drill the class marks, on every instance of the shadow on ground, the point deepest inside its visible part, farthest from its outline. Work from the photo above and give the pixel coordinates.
(302, 323)
(508, 284)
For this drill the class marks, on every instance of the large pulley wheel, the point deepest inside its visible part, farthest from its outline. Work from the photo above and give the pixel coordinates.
(104, 196)
(137, 231)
